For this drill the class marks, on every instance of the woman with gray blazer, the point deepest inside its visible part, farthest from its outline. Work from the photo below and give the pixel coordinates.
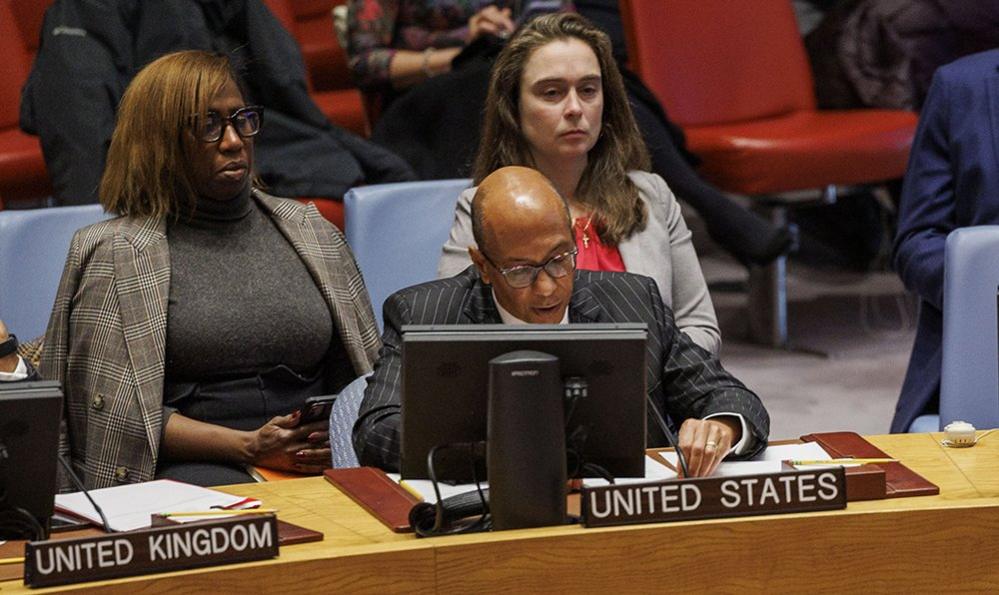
(557, 103)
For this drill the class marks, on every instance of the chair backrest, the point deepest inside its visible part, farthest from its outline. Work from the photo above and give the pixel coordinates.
(342, 418)
(396, 232)
(969, 383)
(719, 61)
(311, 23)
(28, 15)
(33, 248)
(14, 67)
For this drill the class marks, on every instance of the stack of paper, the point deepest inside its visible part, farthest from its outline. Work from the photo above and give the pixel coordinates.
(130, 506)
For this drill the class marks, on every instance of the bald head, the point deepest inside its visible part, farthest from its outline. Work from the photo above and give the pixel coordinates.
(512, 200)
(522, 224)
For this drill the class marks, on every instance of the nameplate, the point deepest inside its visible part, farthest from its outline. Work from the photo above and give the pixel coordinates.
(146, 551)
(713, 497)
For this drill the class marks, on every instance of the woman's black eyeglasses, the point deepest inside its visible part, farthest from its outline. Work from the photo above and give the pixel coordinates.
(246, 121)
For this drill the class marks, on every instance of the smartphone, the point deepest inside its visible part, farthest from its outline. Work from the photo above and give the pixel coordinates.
(317, 408)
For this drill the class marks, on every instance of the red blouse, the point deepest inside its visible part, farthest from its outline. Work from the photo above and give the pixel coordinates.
(593, 254)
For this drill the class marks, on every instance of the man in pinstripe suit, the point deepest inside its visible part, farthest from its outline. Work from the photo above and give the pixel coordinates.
(524, 273)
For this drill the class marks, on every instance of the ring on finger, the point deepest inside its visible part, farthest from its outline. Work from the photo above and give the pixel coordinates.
(710, 445)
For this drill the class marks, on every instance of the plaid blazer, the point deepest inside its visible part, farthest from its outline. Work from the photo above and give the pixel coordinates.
(106, 338)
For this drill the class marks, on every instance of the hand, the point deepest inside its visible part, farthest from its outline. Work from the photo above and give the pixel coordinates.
(705, 442)
(282, 444)
(490, 20)
(8, 363)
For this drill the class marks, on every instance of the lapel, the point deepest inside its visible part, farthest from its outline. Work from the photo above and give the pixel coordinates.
(479, 307)
(583, 306)
(320, 257)
(142, 280)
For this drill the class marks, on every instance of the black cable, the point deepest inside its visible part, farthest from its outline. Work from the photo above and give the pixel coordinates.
(669, 436)
(79, 485)
(18, 522)
(459, 506)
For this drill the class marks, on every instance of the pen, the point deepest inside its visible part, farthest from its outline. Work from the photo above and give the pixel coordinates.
(404, 485)
(220, 512)
(841, 461)
(11, 561)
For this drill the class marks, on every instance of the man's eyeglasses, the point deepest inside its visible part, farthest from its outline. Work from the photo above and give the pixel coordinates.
(245, 121)
(524, 275)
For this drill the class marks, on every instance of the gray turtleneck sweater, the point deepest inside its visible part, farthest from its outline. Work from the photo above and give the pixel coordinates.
(241, 300)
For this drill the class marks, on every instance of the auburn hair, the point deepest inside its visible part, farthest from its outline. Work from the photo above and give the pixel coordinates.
(148, 169)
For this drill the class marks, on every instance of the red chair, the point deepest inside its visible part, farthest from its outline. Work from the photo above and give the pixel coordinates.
(736, 77)
(330, 83)
(22, 166)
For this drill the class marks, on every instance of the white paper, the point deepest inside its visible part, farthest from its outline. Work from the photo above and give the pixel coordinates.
(424, 488)
(654, 471)
(768, 461)
(130, 506)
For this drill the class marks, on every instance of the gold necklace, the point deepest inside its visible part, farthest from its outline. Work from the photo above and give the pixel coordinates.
(586, 236)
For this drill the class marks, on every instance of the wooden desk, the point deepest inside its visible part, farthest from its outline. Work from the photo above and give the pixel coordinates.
(947, 542)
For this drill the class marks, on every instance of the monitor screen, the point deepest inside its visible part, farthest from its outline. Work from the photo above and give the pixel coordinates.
(29, 444)
(445, 385)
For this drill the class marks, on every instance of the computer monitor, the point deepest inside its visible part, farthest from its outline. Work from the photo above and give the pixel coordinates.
(445, 378)
(29, 444)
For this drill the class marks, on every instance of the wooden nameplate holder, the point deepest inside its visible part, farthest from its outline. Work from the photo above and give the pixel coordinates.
(874, 481)
(288, 534)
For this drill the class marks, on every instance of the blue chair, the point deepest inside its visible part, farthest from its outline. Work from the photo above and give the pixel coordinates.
(396, 232)
(342, 418)
(33, 248)
(969, 383)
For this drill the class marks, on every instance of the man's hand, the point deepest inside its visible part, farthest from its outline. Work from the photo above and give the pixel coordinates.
(8, 363)
(705, 442)
(490, 20)
(282, 444)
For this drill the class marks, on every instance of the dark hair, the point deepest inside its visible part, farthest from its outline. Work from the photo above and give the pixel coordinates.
(148, 169)
(605, 185)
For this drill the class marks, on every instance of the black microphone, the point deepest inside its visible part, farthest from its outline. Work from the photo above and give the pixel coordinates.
(79, 485)
(661, 421)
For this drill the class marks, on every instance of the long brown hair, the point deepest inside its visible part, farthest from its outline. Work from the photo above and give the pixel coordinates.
(148, 168)
(605, 185)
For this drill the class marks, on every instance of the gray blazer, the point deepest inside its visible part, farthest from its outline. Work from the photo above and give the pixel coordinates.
(663, 251)
(106, 338)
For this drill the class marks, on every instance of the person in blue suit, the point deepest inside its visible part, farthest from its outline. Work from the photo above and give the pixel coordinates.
(952, 181)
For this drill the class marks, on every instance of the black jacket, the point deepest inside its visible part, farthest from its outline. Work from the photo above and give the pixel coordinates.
(91, 49)
(683, 379)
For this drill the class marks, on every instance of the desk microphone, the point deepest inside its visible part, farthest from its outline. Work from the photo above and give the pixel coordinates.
(79, 485)
(669, 436)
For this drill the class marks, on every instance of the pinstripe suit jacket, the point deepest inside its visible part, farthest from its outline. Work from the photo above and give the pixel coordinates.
(106, 337)
(682, 378)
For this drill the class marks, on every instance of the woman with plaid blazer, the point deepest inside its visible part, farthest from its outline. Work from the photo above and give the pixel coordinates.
(180, 163)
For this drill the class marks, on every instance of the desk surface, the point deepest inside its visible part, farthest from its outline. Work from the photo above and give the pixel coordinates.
(943, 542)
